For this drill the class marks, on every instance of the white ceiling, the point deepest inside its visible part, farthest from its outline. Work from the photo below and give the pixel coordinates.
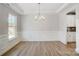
(32, 8)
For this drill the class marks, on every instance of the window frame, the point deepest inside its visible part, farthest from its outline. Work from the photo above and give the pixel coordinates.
(12, 16)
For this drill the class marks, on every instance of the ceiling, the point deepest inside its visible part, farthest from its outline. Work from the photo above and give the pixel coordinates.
(32, 8)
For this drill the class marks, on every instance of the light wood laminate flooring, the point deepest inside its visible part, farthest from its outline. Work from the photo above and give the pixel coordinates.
(44, 48)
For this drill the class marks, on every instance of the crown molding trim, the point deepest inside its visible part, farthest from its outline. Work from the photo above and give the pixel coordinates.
(62, 7)
(14, 7)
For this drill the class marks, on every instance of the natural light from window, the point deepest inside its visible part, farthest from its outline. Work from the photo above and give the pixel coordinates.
(12, 29)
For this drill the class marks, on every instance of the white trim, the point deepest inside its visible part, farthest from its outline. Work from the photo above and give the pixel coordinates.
(2, 36)
(77, 50)
(62, 7)
(14, 7)
(8, 46)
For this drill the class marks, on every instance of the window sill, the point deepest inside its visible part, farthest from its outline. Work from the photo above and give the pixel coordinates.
(10, 39)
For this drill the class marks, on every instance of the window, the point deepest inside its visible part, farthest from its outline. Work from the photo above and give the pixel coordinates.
(12, 26)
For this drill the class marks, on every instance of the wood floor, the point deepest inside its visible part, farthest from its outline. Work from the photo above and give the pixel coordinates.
(41, 49)
(71, 45)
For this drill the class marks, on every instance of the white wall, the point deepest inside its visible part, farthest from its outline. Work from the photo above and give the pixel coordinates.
(71, 36)
(71, 22)
(5, 43)
(64, 22)
(77, 29)
(62, 28)
(40, 30)
(52, 29)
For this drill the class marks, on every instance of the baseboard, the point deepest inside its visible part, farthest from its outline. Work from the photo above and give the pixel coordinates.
(8, 47)
(77, 50)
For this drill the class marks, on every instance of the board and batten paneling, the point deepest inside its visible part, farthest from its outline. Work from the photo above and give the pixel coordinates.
(40, 29)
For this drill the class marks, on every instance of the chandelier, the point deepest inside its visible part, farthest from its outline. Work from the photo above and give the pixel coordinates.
(39, 16)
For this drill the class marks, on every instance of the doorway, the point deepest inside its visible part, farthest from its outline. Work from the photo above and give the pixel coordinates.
(71, 29)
